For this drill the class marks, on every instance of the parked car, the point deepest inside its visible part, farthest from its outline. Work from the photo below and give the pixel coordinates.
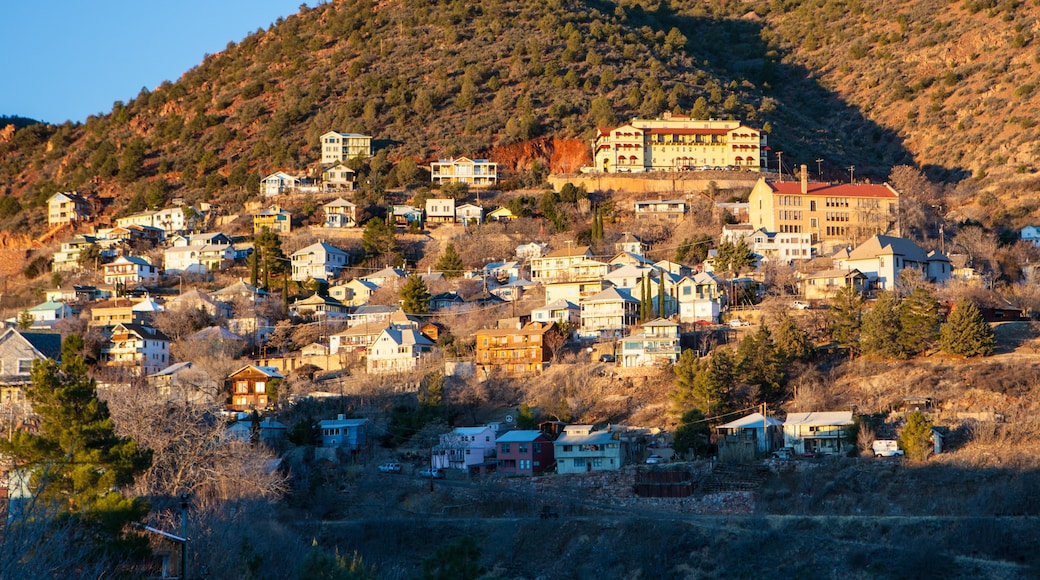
(799, 305)
(654, 460)
(784, 453)
(886, 448)
(432, 472)
(390, 467)
(607, 358)
(737, 322)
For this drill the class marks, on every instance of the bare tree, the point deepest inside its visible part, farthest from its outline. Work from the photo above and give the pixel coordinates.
(979, 244)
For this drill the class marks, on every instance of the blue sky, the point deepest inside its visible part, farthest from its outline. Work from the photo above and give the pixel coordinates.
(68, 59)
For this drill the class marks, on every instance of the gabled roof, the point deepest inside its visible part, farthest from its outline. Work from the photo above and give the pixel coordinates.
(46, 344)
(471, 430)
(240, 287)
(610, 295)
(569, 252)
(658, 322)
(49, 306)
(832, 273)
(315, 248)
(821, 418)
(142, 331)
(406, 337)
(149, 305)
(130, 260)
(388, 272)
(888, 246)
(595, 437)
(339, 202)
(559, 304)
(752, 421)
(270, 372)
(172, 369)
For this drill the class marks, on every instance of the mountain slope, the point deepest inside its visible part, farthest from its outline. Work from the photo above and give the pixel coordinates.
(870, 84)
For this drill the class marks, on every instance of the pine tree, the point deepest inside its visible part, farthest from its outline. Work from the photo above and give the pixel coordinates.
(846, 315)
(415, 298)
(77, 464)
(450, 263)
(966, 333)
(919, 321)
(792, 343)
(757, 362)
(880, 330)
(916, 437)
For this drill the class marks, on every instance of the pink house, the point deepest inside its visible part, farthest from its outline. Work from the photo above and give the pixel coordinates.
(524, 452)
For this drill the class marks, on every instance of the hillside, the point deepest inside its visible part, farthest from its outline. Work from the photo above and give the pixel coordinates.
(449, 78)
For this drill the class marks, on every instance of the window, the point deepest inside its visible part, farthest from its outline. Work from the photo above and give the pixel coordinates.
(505, 447)
(241, 386)
(261, 387)
(24, 366)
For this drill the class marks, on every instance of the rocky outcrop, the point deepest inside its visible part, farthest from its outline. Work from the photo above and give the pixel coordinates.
(559, 155)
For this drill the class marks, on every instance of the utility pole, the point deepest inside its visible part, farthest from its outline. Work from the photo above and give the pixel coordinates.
(819, 169)
(184, 534)
(852, 174)
(780, 164)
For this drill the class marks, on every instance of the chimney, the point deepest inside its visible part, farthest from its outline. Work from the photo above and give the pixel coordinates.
(805, 179)
(341, 417)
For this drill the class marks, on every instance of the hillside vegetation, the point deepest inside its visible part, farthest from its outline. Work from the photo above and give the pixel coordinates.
(944, 85)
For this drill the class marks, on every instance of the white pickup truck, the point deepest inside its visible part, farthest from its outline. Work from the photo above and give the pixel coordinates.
(886, 448)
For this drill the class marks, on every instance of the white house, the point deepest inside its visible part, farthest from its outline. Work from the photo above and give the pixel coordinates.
(559, 311)
(197, 259)
(319, 261)
(338, 178)
(1030, 234)
(339, 147)
(463, 447)
(474, 172)
(608, 313)
(49, 312)
(174, 220)
(469, 214)
(130, 271)
(440, 210)
(656, 342)
(340, 213)
(531, 250)
(699, 298)
(818, 432)
(882, 258)
(140, 349)
(580, 450)
(397, 350)
(278, 183)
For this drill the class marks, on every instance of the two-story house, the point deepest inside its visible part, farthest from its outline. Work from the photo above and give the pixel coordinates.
(516, 351)
(142, 350)
(340, 147)
(197, 259)
(608, 314)
(562, 264)
(130, 271)
(524, 452)
(818, 432)
(559, 311)
(699, 297)
(278, 183)
(671, 210)
(440, 210)
(318, 261)
(397, 350)
(340, 213)
(254, 387)
(656, 342)
(18, 350)
(473, 172)
(469, 214)
(273, 218)
(580, 449)
(67, 207)
(464, 447)
(825, 284)
(882, 258)
(338, 178)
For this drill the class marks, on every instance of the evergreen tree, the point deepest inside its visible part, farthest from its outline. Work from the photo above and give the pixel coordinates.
(702, 384)
(76, 462)
(966, 333)
(415, 298)
(732, 257)
(880, 330)
(660, 295)
(693, 433)
(919, 321)
(380, 242)
(271, 258)
(450, 263)
(916, 437)
(757, 362)
(792, 343)
(846, 315)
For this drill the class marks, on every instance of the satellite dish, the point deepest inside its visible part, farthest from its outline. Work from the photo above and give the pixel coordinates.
(509, 418)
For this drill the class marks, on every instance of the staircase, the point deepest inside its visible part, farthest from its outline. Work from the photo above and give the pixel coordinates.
(734, 477)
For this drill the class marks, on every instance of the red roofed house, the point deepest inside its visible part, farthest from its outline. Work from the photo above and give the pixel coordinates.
(834, 214)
